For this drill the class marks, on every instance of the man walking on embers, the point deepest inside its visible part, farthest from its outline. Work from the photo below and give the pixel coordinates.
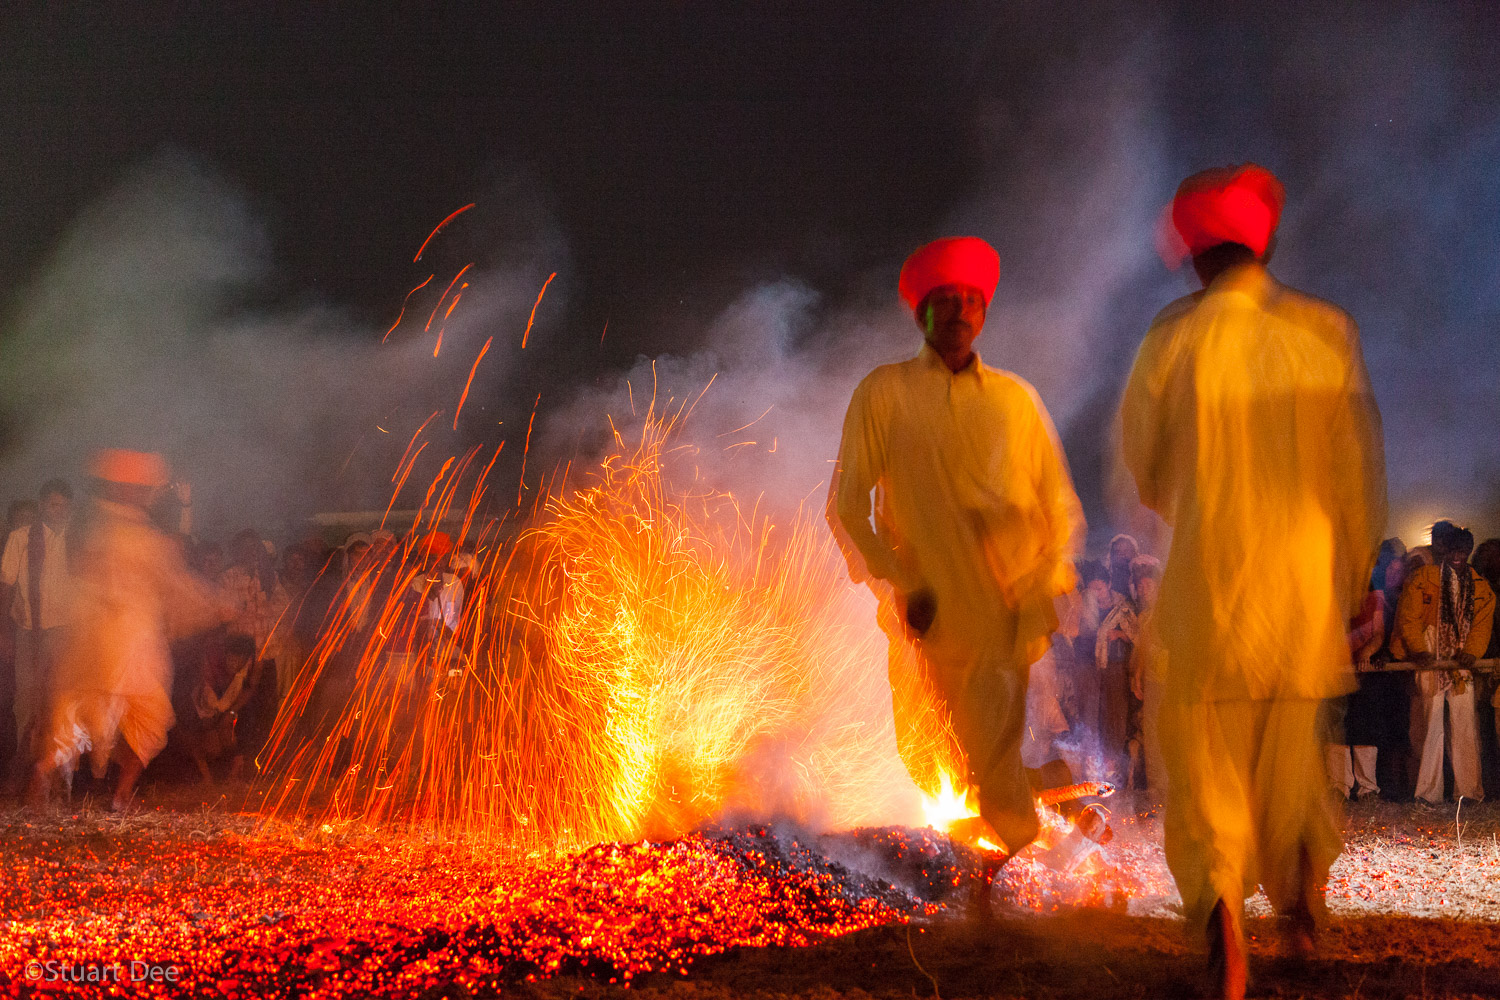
(975, 522)
(1249, 426)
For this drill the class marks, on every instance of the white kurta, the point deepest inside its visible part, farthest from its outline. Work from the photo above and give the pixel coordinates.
(116, 672)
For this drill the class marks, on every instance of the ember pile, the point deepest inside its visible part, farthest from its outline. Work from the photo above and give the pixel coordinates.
(241, 913)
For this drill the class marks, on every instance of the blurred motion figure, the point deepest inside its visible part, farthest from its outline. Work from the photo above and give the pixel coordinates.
(1249, 426)
(113, 696)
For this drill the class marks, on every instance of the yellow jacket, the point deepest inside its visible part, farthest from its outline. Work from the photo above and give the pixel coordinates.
(1249, 426)
(974, 502)
(1417, 613)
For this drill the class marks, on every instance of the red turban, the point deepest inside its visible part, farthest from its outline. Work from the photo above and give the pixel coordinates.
(436, 545)
(131, 468)
(1224, 205)
(955, 260)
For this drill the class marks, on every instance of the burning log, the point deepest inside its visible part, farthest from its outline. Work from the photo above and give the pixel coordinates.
(1068, 793)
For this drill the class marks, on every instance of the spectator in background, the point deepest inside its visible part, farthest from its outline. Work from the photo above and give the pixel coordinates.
(1120, 704)
(1357, 723)
(1096, 600)
(1486, 562)
(259, 600)
(1147, 676)
(299, 570)
(1122, 551)
(210, 564)
(1395, 765)
(221, 690)
(37, 586)
(1446, 614)
(253, 589)
(20, 514)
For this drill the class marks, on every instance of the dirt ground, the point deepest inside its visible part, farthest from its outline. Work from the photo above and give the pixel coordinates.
(1415, 901)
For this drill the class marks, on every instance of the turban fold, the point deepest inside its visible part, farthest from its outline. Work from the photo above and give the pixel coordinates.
(436, 545)
(1223, 205)
(954, 260)
(132, 468)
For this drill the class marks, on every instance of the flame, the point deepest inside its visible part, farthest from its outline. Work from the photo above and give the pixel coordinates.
(948, 806)
(633, 659)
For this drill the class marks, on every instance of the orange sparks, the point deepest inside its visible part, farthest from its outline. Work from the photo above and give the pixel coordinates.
(606, 330)
(403, 308)
(472, 370)
(751, 423)
(407, 454)
(440, 301)
(614, 668)
(527, 449)
(532, 318)
(440, 225)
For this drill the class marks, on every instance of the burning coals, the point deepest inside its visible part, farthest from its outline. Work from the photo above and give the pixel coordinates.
(234, 911)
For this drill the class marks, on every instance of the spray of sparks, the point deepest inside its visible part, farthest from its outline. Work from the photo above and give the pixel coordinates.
(632, 661)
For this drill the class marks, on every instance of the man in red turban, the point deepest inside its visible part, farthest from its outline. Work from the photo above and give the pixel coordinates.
(1249, 426)
(113, 695)
(974, 526)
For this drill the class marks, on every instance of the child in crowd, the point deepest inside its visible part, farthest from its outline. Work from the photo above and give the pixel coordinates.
(221, 693)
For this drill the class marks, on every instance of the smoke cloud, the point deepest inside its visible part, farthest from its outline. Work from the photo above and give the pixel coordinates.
(144, 332)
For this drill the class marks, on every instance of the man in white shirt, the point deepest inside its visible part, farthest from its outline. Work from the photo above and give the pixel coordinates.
(975, 523)
(37, 587)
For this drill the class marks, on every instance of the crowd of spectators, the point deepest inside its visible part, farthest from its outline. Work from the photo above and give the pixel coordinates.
(1426, 730)
(1428, 733)
(229, 681)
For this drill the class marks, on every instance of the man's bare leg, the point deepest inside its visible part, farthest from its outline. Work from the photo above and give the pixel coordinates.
(1226, 956)
(41, 781)
(1304, 927)
(130, 770)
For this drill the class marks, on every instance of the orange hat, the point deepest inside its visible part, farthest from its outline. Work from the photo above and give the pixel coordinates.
(133, 468)
(435, 545)
(954, 260)
(1223, 205)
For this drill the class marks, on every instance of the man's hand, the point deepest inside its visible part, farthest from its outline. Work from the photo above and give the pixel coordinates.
(1465, 660)
(1422, 658)
(918, 610)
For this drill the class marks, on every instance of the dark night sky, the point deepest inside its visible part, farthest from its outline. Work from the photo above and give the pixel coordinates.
(668, 158)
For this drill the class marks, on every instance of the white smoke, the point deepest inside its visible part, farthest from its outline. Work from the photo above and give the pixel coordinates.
(141, 332)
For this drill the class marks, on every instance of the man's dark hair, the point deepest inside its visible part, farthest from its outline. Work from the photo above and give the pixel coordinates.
(240, 645)
(1486, 560)
(1445, 536)
(1221, 257)
(1090, 570)
(56, 488)
(1463, 541)
(17, 508)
